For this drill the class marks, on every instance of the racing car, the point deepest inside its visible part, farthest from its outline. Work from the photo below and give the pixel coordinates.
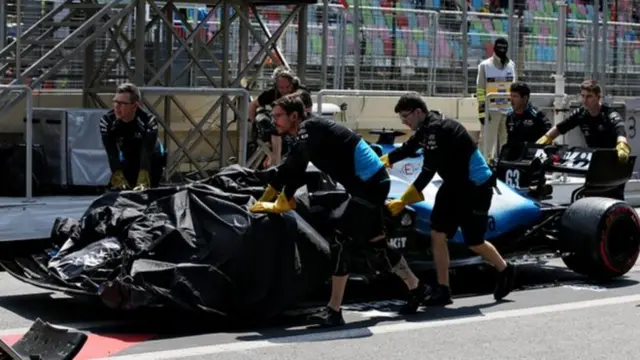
(164, 246)
(597, 234)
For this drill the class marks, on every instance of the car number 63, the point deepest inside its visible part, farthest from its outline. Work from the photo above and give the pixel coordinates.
(512, 178)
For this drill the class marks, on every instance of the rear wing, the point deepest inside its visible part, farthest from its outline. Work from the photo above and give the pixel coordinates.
(386, 136)
(600, 167)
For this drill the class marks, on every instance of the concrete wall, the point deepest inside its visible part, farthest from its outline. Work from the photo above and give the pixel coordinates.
(363, 113)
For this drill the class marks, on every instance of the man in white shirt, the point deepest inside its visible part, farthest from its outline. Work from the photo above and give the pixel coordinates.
(495, 75)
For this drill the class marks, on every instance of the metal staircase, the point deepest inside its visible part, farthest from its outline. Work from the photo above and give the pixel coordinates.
(42, 50)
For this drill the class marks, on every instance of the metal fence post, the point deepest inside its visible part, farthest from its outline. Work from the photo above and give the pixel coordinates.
(465, 50)
(560, 96)
(596, 40)
(339, 92)
(356, 39)
(325, 43)
(511, 32)
(605, 43)
(243, 116)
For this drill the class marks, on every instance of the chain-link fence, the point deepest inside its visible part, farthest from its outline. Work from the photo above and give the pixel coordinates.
(429, 46)
(418, 46)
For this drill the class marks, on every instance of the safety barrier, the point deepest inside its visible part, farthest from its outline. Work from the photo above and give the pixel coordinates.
(337, 92)
(23, 89)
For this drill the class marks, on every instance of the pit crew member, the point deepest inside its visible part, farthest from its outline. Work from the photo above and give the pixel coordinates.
(525, 122)
(130, 138)
(343, 155)
(495, 75)
(284, 83)
(463, 199)
(601, 126)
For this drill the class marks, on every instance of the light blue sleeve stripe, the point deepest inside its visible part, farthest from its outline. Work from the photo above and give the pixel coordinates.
(367, 163)
(479, 171)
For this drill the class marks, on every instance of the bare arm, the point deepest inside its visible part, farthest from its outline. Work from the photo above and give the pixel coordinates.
(276, 150)
(253, 107)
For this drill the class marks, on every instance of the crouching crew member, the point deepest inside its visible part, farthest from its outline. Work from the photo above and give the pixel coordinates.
(463, 199)
(130, 138)
(343, 155)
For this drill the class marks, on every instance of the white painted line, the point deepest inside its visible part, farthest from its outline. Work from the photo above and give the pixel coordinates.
(376, 330)
(71, 326)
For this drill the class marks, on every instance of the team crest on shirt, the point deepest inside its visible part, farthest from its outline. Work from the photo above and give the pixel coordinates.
(432, 144)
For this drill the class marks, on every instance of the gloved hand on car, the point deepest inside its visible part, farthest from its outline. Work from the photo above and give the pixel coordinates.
(143, 182)
(410, 196)
(118, 181)
(280, 206)
(385, 160)
(269, 194)
(544, 140)
(623, 150)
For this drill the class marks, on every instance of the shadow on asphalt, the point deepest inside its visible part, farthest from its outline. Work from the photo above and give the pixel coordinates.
(174, 323)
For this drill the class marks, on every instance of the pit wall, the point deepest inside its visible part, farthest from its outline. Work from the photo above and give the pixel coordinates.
(363, 114)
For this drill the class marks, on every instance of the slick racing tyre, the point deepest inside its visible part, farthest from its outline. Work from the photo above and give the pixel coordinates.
(602, 237)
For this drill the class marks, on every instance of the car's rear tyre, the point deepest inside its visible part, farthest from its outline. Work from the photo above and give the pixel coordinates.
(602, 236)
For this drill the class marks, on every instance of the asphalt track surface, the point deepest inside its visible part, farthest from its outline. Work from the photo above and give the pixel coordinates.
(554, 314)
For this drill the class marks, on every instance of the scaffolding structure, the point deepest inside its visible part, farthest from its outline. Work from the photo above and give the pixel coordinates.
(35, 56)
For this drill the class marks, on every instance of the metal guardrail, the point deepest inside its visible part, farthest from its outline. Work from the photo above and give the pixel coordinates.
(337, 92)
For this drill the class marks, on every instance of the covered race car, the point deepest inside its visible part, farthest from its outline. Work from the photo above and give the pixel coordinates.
(199, 248)
(596, 234)
(195, 246)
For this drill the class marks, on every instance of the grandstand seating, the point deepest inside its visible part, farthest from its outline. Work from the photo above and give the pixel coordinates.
(416, 40)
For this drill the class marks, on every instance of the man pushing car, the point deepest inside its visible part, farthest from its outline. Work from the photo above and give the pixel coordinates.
(463, 199)
(343, 155)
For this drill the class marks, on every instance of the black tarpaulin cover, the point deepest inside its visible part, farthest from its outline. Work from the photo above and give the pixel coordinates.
(196, 246)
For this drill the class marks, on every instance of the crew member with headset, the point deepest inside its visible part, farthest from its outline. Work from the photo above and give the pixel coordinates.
(601, 125)
(495, 75)
(525, 123)
(343, 155)
(130, 138)
(284, 83)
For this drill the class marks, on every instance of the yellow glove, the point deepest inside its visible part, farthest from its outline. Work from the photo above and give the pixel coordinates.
(544, 140)
(385, 160)
(409, 197)
(118, 181)
(623, 151)
(269, 194)
(280, 206)
(143, 181)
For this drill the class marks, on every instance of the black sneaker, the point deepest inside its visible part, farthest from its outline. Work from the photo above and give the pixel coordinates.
(414, 300)
(327, 317)
(505, 282)
(440, 295)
